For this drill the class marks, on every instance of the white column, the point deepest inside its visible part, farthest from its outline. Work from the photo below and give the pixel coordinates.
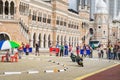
(9, 12)
(42, 43)
(31, 39)
(46, 44)
(31, 42)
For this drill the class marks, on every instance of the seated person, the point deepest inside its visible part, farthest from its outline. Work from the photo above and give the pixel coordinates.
(79, 60)
(7, 56)
(73, 57)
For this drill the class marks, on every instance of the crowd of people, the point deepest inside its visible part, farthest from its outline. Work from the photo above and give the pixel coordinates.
(65, 50)
(111, 51)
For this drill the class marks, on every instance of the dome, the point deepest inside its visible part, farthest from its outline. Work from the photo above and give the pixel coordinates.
(101, 7)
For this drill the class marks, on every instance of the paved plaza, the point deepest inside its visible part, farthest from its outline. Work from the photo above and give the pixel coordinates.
(59, 68)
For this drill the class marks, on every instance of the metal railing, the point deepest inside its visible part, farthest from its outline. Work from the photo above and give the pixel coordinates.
(24, 29)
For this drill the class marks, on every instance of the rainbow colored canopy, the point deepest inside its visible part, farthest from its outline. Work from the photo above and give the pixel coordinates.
(7, 44)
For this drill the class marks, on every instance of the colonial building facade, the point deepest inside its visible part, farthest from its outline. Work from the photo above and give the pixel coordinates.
(45, 23)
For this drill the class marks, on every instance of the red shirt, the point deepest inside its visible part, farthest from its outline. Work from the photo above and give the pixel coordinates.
(27, 46)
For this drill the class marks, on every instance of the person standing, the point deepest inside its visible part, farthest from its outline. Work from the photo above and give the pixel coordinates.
(20, 51)
(115, 52)
(112, 54)
(61, 50)
(102, 51)
(77, 49)
(118, 52)
(66, 50)
(27, 48)
(109, 52)
(57, 49)
(91, 52)
(37, 50)
(70, 49)
(93, 47)
(7, 56)
(99, 52)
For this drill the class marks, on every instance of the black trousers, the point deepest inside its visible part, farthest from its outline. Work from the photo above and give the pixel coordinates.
(119, 56)
(61, 52)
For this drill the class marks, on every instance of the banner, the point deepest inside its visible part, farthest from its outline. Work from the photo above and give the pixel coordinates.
(29, 50)
(83, 51)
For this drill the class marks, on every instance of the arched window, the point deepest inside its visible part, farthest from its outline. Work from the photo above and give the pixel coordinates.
(12, 8)
(34, 16)
(91, 31)
(72, 41)
(49, 42)
(6, 8)
(39, 42)
(4, 37)
(1, 7)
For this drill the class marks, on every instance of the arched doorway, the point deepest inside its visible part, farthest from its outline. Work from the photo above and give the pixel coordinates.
(1, 7)
(39, 42)
(61, 40)
(44, 38)
(72, 41)
(6, 8)
(49, 42)
(4, 36)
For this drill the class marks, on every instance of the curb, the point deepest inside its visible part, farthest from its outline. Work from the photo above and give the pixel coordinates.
(10, 73)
